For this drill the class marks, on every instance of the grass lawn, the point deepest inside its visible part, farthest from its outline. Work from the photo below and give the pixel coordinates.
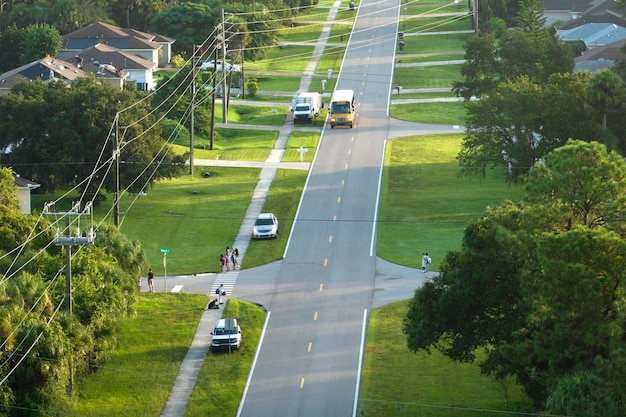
(301, 32)
(137, 380)
(435, 76)
(222, 378)
(305, 140)
(424, 204)
(282, 200)
(195, 217)
(421, 44)
(293, 58)
(277, 83)
(450, 113)
(435, 24)
(430, 58)
(396, 382)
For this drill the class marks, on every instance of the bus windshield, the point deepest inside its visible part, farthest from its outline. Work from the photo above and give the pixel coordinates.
(341, 108)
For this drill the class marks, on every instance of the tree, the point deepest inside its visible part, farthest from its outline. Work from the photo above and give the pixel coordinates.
(38, 41)
(521, 121)
(578, 178)
(10, 48)
(8, 190)
(190, 23)
(531, 51)
(504, 130)
(605, 92)
(481, 68)
(538, 284)
(57, 134)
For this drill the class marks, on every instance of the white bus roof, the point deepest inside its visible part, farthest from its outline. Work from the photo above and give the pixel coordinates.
(343, 95)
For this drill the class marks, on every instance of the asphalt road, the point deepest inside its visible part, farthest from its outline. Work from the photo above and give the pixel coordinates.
(308, 364)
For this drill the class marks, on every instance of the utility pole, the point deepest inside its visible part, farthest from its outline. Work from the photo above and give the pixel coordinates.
(224, 92)
(475, 17)
(192, 92)
(116, 154)
(213, 92)
(66, 239)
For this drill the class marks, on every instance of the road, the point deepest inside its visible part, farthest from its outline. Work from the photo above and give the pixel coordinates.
(308, 363)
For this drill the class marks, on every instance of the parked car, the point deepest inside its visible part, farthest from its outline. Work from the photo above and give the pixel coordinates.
(265, 226)
(210, 65)
(226, 335)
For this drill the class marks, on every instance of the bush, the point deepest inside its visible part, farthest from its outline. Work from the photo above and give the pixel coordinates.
(252, 87)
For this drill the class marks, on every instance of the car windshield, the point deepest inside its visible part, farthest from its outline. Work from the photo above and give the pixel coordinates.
(220, 332)
(263, 222)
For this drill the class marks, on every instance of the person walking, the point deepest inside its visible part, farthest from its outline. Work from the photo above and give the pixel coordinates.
(220, 293)
(423, 261)
(427, 262)
(151, 280)
(234, 258)
(222, 263)
(228, 251)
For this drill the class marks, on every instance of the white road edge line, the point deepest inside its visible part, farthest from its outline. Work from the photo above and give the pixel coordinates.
(360, 367)
(380, 182)
(256, 357)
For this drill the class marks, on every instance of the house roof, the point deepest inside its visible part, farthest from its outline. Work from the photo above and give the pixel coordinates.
(594, 34)
(100, 58)
(600, 57)
(607, 16)
(45, 69)
(24, 184)
(111, 35)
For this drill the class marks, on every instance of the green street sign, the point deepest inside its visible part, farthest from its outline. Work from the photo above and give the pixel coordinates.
(165, 250)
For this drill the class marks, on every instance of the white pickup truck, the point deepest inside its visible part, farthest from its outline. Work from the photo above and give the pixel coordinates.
(226, 335)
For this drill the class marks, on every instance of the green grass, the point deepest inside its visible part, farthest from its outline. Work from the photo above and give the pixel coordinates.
(137, 380)
(432, 6)
(275, 83)
(222, 378)
(195, 217)
(436, 76)
(282, 200)
(408, 59)
(396, 382)
(293, 58)
(424, 204)
(422, 44)
(232, 144)
(436, 113)
(303, 32)
(300, 139)
(255, 115)
(435, 24)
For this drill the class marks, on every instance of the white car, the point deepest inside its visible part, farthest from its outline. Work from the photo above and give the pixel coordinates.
(265, 226)
(210, 65)
(226, 335)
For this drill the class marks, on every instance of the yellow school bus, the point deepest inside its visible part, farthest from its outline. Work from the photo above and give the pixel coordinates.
(342, 112)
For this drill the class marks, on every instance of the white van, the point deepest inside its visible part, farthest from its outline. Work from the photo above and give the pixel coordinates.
(226, 335)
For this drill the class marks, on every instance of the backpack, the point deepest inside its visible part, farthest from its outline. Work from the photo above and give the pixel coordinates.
(217, 291)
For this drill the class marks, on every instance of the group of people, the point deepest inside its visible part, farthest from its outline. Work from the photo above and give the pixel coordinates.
(231, 259)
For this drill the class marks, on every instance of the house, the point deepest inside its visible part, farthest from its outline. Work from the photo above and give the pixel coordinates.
(46, 69)
(600, 57)
(567, 10)
(156, 48)
(113, 65)
(594, 34)
(24, 188)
